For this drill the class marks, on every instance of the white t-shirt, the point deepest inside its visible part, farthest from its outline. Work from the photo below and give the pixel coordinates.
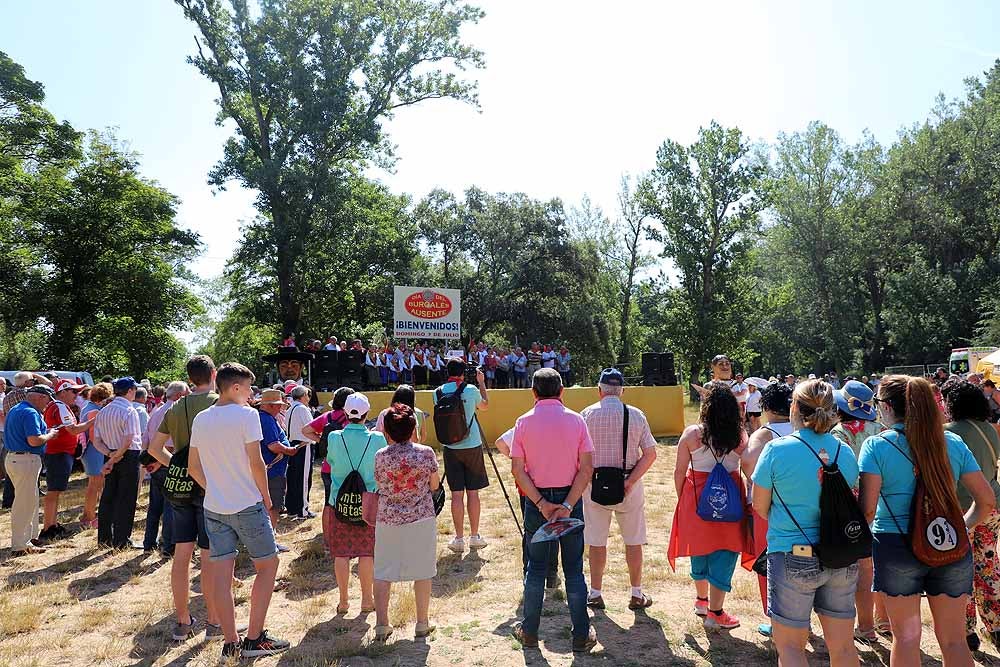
(741, 391)
(753, 401)
(299, 415)
(220, 434)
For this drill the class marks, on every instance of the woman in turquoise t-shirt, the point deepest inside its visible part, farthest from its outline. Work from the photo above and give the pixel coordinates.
(916, 440)
(786, 488)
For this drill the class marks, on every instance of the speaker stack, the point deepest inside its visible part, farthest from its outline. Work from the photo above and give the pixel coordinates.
(352, 365)
(658, 369)
(326, 370)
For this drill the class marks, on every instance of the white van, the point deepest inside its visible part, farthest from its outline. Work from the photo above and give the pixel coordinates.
(78, 377)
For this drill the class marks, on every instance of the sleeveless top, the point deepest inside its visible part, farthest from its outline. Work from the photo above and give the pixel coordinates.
(704, 459)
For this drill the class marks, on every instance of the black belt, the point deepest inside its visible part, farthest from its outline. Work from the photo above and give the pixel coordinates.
(555, 489)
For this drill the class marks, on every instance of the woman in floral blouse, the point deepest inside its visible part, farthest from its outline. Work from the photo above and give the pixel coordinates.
(406, 526)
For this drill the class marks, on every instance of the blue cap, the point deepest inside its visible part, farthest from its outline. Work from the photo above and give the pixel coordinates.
(612, 376)
(856, 399)
(122, 385)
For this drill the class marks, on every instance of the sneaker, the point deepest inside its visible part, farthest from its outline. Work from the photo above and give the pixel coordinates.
(723, 621)
(29, 550)
(764, 629)
(585, 644)
(477, 542)
(282, 549)
(263, 645)
(701, 607)
(232, 651)
(212, 630)
(457, 545)
(973, 641)
(185, 631)
(60, 530)
(596, 602)
(641, 602)
(47, 535)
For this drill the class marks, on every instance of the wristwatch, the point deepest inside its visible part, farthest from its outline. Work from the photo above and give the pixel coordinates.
(566, 506)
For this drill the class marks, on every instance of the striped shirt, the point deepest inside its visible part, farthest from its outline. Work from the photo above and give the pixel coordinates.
(117, 426)
(13, 397)
(604, 422)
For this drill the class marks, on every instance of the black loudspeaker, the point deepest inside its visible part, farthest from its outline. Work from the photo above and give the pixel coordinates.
(651, 375)
(667, 370)
(352, 363)
(326, 370)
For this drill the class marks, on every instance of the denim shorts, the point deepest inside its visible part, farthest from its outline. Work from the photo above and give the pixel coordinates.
(796, 585)
(57, 471)
(93, 460)
(189, 524)
(251, 526)
(898, 572)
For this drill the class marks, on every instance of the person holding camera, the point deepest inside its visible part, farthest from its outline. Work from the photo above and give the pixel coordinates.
(460, 435)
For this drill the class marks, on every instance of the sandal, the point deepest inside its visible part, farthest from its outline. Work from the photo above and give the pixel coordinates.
(367, 610)
(383, 632)
(342, 610)
(423, 630)
(883, 628)
(867, 636)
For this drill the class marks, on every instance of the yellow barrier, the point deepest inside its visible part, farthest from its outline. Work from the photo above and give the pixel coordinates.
(664, 407)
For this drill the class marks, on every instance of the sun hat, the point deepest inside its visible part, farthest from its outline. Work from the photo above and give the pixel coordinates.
(272, 397)
(856, 399)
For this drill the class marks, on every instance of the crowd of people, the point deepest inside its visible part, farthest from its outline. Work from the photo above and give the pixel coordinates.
(226, 458)
(423, 364)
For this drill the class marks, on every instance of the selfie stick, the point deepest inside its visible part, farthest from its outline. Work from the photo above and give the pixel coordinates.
(499, 478)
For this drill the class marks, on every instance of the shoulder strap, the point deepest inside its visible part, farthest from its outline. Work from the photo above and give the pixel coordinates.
(882, 495)
(792, 516)
(459, 388)
(822, 463)
(896, 447)
(348, 452)
(624, 436)
(986, 439)
(773, 432)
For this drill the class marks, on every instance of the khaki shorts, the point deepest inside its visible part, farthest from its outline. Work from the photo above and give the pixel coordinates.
(630, 513)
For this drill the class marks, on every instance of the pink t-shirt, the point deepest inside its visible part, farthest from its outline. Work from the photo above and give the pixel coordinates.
(320, 423)
(550, 438)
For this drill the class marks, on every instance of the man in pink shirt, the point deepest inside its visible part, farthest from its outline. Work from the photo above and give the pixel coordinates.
(551, 460)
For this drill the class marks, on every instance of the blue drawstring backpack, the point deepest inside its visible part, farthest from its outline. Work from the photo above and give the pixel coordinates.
(720, 500)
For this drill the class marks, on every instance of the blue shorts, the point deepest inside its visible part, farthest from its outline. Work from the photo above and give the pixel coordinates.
(796, 585)
(189, 524)
(251, 526)
(717, 568)
(93, 461)
(898, 572)
(57, 470)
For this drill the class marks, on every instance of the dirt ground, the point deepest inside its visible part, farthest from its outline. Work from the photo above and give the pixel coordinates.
(79, 605)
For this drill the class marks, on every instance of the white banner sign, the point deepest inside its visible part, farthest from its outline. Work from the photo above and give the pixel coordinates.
(426, 312)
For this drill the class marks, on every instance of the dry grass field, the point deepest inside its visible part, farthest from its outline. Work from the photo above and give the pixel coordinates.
(77, 605)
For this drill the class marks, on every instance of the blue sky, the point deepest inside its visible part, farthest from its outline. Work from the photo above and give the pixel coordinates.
(574, 93)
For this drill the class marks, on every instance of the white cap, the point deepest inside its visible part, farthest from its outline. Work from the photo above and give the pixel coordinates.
(812, 376)
(356, 405)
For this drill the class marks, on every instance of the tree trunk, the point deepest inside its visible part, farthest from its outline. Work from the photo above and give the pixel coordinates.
(288, 308)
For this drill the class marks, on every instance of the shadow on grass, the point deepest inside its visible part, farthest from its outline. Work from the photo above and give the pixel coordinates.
(645, 637)
(150, 643)
(311, 572)
(457, 573)
(723, 645)
(70, 566)
(111, 580)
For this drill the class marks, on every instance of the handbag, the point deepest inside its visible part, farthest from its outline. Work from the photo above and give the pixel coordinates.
(178, 486)
(607, 486)
(438, 496)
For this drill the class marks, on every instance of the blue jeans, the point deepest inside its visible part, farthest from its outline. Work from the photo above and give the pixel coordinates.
(158, 509)
(251, 526)
(538, 564)
(553, 569)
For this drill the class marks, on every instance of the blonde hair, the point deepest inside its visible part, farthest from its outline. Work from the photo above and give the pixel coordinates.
(816, 406)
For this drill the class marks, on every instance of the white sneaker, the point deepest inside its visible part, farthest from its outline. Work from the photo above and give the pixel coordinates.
(457, 544)
(477, 542)
(282, 549)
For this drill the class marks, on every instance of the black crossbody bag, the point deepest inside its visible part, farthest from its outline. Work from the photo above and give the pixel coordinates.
(608, 483)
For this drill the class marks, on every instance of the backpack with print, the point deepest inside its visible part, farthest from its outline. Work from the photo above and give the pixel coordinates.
(936, 535)
(349, 504)
(179, 486)
(844, 536)
(720, 499)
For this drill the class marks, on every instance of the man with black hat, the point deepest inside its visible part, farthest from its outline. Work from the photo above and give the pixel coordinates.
(608, 428)
(118, 436)
(25, 438)
(291, 363)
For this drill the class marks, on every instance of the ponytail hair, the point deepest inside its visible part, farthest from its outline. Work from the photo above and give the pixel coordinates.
(816, 405)
(924, 431)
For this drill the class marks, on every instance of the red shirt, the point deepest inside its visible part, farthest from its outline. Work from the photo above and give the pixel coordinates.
(65, 442)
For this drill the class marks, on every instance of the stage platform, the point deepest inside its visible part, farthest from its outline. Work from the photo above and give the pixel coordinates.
(663, 406)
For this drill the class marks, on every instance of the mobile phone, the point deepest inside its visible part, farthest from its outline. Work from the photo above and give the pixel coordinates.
(802, 550)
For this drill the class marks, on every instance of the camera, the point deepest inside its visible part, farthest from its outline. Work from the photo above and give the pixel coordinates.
(470, 374)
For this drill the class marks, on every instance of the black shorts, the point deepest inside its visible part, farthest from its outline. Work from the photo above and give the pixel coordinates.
(276, 489)
(465, 469)
(189, 524)
(57, 470)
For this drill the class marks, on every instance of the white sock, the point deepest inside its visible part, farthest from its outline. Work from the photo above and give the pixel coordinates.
(594, 593)
(637, 591)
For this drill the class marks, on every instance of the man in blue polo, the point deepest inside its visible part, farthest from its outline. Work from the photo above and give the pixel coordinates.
(25, 437)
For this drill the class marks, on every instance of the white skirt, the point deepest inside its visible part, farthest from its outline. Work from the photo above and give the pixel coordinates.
(407, 552)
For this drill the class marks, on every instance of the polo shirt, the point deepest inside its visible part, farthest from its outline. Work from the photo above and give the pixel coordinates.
(271, 433)
(550, 438)
(23, 421)
(470, 399)
(58, 413)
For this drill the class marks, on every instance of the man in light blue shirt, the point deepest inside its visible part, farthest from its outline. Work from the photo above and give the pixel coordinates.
(464, 465)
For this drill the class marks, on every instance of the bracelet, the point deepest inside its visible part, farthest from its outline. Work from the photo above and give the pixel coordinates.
(566, 506)
(539, 502)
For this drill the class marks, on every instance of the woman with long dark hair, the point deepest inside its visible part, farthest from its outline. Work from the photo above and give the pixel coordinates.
(786, 489)
(405, 395)
(713, 547)
(970, 413)
(917, 444)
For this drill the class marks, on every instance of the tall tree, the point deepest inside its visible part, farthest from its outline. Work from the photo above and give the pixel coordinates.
(443, 224)
(309, 84)
(707, 198)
